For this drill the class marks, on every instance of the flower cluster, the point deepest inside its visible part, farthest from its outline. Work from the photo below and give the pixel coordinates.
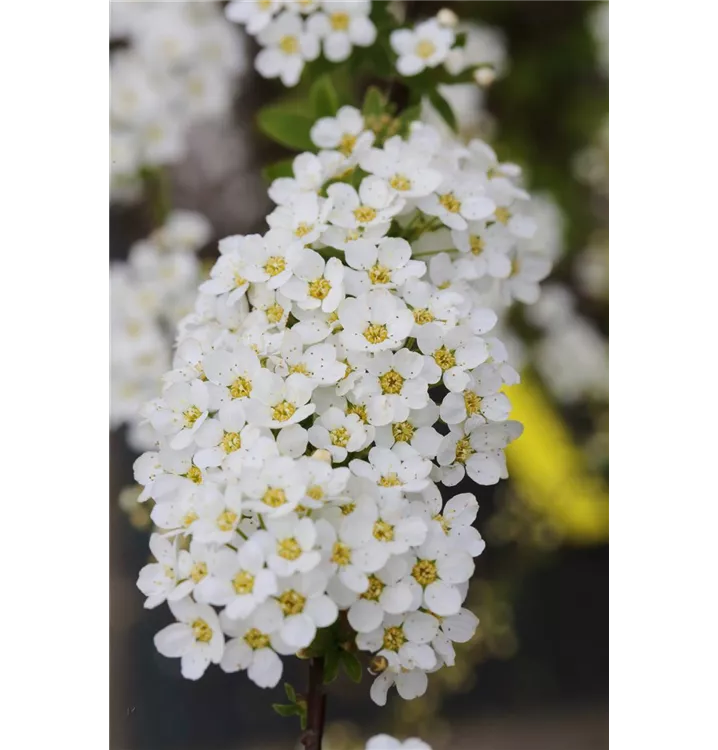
(294, 32)
(330, 377)
(150, 293)
(385, 742)
(174, 64)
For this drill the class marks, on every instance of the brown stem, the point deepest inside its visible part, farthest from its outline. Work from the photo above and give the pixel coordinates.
(316, 706)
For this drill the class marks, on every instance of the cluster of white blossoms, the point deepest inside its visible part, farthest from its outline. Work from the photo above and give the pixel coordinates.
(294, 32)
(330, 377)
(149, 294)
(174, 64)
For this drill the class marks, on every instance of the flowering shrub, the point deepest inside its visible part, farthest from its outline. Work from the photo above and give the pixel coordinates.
(334, 372)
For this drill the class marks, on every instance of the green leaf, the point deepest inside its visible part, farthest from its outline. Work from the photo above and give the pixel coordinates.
(289, 128)
(283, 168)
(374, 103)
(291, 693)
(287, 710)
(331, 665)
(444, 109)
(324, 97)
(352, 666)
(409, 115)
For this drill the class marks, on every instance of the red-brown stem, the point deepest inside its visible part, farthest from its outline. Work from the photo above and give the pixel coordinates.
(316, 706)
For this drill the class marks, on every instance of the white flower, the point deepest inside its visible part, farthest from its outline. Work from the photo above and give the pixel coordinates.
(374, 322)
(228, 273)
(300, 607)
(271, 258)
(430, 305)
(417, 430)
(181, 412)
(386, 594)
(458, 628)
(424, 46)
(343, 25)
(393, 386)
(527, 270)
(386, 265)
(310, 172)
(346, 132)
(254, 14)
(339, 433)
(457, 201)
(276, 402)
(404, 168)
(436, 570)
(289, 544)
(318, 363)
(410, 684)
(232, 375)
(395, 470)
(373, 206)
(238, 580)
(305, 217)
(197, 638)
(450, 354)
(478, 453)
(324, 483)
(158, 580)
(455, 519)
(475, 402)
(487, 248)
(276, 487)
(316, 283)
(250, 648)
(287, 46)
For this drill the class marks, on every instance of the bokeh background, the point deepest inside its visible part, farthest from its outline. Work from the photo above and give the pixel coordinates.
(536, 674)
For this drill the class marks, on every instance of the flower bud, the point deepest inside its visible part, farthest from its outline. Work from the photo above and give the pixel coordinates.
(485, 76)
(447, 17)
(378, 665)
(322, 455)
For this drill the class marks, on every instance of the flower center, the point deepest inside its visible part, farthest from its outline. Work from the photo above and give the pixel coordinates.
(315, 492)
(423, 316)
(390, 480)
(201, 631)
(374, 591)
(274, 312)
(502, 215)
(226, 521)
(359, 410)
(394, 638)
(194, 475)
(403, 432)
(291, 602)
(284, 411)
(339, 21)
(289, 44)
(198, 571)
(289, 549)
(379, 274)
(463, 450)
(348, 508)
(340, 437)
(264, 4)
(275, 265)
(391, 382)
(231, 442)
(472, 402)
(383, 531)
(302, 229)
(341, 554)
(450, 202)
(241, 388)
(239, 280)
(477, 244)
(191, 415)
(274, 497)
(319, 288)
(376, 333)
(189, 519)
(425, 49)
(256, 639)
(300, 368)
(424, 572)
(243, 583)
(399, 182)
(444, 358)
(364, 214)
(347, 143)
